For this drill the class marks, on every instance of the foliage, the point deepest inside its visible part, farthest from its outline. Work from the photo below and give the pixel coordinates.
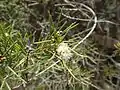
(46, 44)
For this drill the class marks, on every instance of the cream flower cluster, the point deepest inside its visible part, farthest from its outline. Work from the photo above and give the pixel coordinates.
(64, 51)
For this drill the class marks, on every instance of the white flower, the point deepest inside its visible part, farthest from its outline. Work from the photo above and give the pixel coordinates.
(64, 51)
